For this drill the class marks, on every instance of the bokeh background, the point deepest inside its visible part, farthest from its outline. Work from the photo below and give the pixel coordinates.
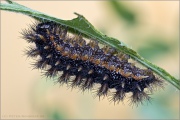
(149, 27)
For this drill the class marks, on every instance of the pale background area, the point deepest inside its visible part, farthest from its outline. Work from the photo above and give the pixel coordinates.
(25, 93)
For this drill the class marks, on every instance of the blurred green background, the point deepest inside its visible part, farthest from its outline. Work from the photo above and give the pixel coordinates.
(149, 27)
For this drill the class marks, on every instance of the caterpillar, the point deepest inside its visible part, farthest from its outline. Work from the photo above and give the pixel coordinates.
(66, 55)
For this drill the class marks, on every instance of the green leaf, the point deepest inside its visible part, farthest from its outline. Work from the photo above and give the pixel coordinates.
(82, 26)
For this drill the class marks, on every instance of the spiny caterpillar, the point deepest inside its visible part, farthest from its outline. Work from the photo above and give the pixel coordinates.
(72, 55)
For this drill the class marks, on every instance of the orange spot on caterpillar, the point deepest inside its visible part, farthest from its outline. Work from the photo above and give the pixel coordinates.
(59, 48)
(42, 37)
(74, 56)
(47, 31)
(51, 37)
(84, 57)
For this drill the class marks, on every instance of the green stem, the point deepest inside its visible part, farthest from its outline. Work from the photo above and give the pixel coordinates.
(81, 25)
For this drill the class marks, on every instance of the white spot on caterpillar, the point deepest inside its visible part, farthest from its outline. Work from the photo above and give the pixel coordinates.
(138, 87)
(57, 63)
(68, 67)
(123, 84)
(91, 71)
(46, 47)
(80, 68)
(49, 56)
(48, 67)
(105, 77)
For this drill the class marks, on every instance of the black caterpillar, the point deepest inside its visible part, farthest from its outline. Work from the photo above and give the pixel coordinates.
(90, 64)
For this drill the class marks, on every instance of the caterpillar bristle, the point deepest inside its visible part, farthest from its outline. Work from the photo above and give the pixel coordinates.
(39, 64)
(64, 78)
(138, 98)
(76, 82)
(87, 84)
(51, 72)
(28, 35)
(118, 96)
(103, 90)
(88, 64)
